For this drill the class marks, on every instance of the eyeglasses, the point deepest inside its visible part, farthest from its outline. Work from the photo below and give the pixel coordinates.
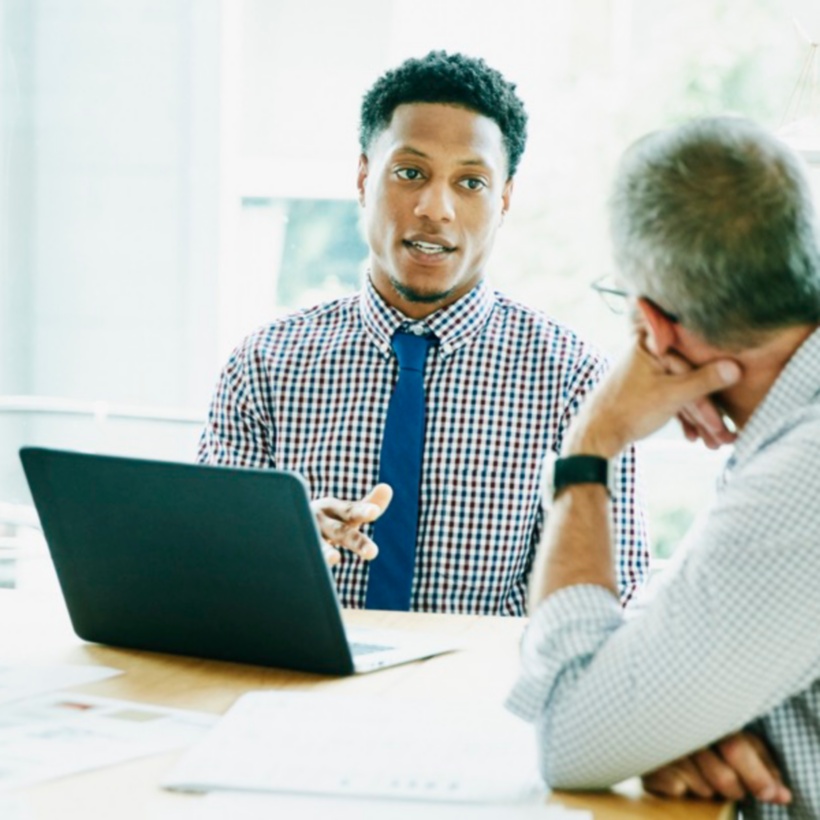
(614, 298)
(617, 299)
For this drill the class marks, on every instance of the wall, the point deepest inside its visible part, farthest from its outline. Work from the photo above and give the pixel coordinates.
(110, 182)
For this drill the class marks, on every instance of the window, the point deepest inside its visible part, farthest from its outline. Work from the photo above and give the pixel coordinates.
(175, 174)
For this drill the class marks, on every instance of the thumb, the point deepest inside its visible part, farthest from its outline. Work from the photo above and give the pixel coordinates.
(380, 495)
(708, 378)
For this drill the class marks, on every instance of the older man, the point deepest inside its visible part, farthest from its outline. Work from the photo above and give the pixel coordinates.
(717, 245)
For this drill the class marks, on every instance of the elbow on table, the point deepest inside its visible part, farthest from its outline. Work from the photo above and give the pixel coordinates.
(572, 770)
(572, 781)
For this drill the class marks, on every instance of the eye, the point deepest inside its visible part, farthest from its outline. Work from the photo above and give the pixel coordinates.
(473, 183)
(410, 174)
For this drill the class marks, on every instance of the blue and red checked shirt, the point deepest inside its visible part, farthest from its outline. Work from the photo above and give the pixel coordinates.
(309, 393)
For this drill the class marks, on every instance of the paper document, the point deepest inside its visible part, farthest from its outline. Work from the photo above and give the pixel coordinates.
(14, 808)
(18, 682)
(219, 805)
(314, 743)
(58, 734)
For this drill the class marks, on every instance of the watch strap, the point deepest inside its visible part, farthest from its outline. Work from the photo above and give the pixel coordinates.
(580, 469)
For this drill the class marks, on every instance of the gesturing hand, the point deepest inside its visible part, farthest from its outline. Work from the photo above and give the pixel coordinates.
(340, 522)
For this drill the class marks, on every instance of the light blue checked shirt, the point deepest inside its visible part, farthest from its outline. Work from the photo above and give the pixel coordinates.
(310, 392)
(730, 639)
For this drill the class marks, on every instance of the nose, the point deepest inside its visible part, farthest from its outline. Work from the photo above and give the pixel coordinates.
(435, 202)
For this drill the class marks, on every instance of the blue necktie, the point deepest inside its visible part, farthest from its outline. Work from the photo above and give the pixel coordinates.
(390, 577)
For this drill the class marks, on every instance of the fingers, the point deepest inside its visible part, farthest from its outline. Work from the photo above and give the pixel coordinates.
(713, 435)
(380, 496)
(343, 534)
(697, 382)
(340, 521)
(719, 774)
(756, 770)
(700, 418)
(739, 764)
(357, 542)
(710, 423)
(331, 555)
(665, 782)
(347, 513)
(690, 431)
(678, 779)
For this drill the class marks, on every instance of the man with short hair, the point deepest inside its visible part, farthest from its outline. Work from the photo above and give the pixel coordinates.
(441, 138)
(716, 240)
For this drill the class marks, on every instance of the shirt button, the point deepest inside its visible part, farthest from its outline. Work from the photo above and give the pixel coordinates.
(418, 329)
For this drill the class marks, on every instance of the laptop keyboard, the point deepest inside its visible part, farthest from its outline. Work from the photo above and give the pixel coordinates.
(367, 648)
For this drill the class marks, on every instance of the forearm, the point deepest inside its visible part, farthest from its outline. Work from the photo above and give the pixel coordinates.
(577, 545)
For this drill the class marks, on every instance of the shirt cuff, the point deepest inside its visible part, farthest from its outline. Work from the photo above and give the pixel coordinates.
(564, 634)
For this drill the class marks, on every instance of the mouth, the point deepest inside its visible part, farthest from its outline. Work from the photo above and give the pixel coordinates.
(429, 248)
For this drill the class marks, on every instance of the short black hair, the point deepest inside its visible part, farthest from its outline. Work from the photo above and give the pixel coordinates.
(451, 79)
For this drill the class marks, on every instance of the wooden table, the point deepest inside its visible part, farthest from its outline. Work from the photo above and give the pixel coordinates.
(35, 629)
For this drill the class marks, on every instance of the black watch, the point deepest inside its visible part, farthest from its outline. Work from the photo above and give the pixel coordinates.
(581, 469)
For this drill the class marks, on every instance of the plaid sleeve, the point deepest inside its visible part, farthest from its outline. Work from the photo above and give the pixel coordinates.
(240, 431)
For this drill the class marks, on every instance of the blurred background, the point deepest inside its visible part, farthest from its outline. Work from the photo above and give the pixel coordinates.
(176, 172)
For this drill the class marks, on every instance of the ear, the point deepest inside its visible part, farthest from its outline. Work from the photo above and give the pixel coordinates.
(662, 333)
(506, 194)
(361, 178)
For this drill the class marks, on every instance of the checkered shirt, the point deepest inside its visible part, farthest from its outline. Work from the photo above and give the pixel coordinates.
(309, 393)
(730, 639)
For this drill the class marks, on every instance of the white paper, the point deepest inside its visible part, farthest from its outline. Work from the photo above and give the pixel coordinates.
(317, 743)
(17, 682)
(14, 808)
(62, 733)
(218, 806)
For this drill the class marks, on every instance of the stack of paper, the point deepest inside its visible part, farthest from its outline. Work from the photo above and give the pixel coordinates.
(314, 743)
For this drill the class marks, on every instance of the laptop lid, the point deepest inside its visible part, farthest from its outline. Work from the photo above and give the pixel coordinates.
(215, 562)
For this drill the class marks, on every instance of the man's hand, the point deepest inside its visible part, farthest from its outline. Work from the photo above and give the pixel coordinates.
(702, 421)
(638, 396)
(738, 765)
(699, 419)
(339, 523)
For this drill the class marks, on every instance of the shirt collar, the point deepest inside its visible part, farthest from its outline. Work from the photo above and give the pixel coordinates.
(796, 386)
(453, 325)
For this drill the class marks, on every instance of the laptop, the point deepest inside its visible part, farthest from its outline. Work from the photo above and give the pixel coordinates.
(214, 562)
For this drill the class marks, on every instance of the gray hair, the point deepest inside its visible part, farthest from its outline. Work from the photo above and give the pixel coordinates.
(714, 221)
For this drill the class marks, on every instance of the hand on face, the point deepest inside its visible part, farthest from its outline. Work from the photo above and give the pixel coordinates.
(340, 522)
(700, 419)
(639, 395)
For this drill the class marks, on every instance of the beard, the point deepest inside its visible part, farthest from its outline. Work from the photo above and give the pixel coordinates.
(427, 297)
